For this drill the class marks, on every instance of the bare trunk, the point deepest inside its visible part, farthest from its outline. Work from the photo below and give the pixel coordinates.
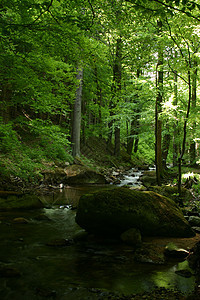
(76, 131)
(158, 121)
(175, 135)
(184, 135)
(193, 104)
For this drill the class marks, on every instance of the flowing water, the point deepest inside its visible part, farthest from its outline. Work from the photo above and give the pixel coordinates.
(85, 269)
(132, 178)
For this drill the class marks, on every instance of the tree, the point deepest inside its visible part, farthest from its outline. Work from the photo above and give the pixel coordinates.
(158, 109)
(76, 128)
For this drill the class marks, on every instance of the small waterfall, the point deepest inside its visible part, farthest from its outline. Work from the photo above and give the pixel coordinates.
(132, 178)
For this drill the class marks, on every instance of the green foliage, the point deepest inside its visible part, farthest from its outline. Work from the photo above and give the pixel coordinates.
(25, 158)
(8, 138)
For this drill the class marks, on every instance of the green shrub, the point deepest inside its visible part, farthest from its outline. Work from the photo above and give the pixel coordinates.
(8, 138)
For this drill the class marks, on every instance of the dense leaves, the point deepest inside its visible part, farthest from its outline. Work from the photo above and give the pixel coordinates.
(116, 43)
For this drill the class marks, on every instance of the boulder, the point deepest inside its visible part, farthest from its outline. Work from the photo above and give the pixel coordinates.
(194, 221)
(13, 201)
(147, 253)
(171, 250)
(78, 175)
(20, 220)
(172, 192)
(148, 179)
(116, 210)
(132, 237)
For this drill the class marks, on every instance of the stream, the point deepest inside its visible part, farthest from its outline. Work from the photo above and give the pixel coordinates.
(84, 269)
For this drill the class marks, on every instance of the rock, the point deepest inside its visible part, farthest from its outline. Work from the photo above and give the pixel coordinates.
(9, 272)
(172, 192)
(171, 250)
(78, 174)
(148, 180)
(194, 258)
(46, 292)
(132, 237)
(81, 235)
(19, 201)
(144, 167)
(194, 221)
(42, 217)
(116, 210)
(196, 229)
(148, 254)
(60, 243)
(184, 273)
(20, 220)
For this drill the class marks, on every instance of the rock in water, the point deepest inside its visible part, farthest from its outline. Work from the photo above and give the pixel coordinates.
(14, 201)
(116, 210)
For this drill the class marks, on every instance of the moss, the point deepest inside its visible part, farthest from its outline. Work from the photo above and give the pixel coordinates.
(119, 209)
(26, 201)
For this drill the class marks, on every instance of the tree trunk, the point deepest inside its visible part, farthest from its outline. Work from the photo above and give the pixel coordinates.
(133, 139)
(158, 121)
(76, 128)
(184, 135)
(175, 127)
(117, 76)
(130, 139)
(165, 149)
(193, 104)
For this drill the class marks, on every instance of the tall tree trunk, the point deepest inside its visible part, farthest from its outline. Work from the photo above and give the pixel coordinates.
(117, 77)
(130, 139)
(175, 126)
(133, 140)
(158, 121)
(165, 148)
(99, 102)
(184, 136)
(193, 104)
(76, 128)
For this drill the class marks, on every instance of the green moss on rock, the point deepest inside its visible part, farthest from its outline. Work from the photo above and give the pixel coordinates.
(115, 211)
(19, 201)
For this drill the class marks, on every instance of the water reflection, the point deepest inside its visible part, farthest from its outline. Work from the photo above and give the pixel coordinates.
(92, 263)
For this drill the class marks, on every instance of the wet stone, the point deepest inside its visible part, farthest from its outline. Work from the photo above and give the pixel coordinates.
(20, 220)
(45, 292)
(196, 229)
(184, 273)
(60, 243)
(9, 272)
(194, 221)
(171, 250)
(42, 217)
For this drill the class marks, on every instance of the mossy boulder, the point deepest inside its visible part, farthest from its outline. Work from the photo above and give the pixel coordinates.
(148, 178)
(172, 192)
(79, 174)
(14, 201)
(117, 210)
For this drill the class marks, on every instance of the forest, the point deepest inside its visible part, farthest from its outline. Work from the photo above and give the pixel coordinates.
(122, 71)
(99, 149)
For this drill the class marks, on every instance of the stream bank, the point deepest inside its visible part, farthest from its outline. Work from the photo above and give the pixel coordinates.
(46, 255)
